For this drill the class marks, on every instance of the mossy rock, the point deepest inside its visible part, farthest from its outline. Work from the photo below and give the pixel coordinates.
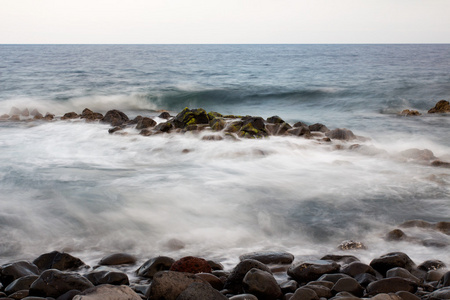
(275, 120)
(217, 124)
(249, 131)
(234, 127)
(213, 115)
(190, 117)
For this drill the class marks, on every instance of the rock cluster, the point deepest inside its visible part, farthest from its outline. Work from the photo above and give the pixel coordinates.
(442, 106)
(393, 276)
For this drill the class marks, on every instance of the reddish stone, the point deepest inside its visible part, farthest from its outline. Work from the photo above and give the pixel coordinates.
(190, 264)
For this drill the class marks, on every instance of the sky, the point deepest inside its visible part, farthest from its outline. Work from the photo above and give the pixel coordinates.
(223, 21)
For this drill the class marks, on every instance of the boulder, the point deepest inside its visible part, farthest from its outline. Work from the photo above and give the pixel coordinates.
(418, 155)
(213, 280)
(70, 115)
(429, 265)
(155, 265)
(145, 123)
(351, 245)
(253, 127)
(332, 277)
(54, 283)
(22, 283)
(164, 127)
(244, 297)
(168, 285)
(190, 264)
(341, 134)
(304, 293)
(275, 120)
(410, 112)
(35, 112)
(442, 106)
(269, 257)
(68, 295)
(278, 128)
(312, 270)
(57, 260)
(262, 284)
(115, 118)
(89, 115)
(416, 223)
(440, 163)
(164, 115)
(391, 285)
(320, 290)
(348, 285)
(19, 294)
(402, 273)
(299, 131)
(395, 235)
(14, 111)
(365, 279)
(190, 117)
(443, 227)
(407, 296)
(440, 294)
(12, 271)
(445, 280)
(289, 286)
(340, 259)
(105, 275)
(109, 292)
(117, 259)
(318, 127)
(392, 260)
(234, 281)
(324, 283)
(356, 268)
(197, 291)
(217, 124)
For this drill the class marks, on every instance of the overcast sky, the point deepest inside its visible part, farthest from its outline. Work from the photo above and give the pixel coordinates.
(224, 21)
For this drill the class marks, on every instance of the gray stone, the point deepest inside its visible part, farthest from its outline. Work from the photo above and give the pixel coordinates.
(57, 260)
(262, 284)
(155, 265)
(332, 277)
(356, 268)
(110, 292)
(22, 283)
(391, 285)
(403, 273)
(392, 260)
(117, 259)
(197, 291)
(234, 281)
(13, 271)
(348, 285)
(269, 257)
(304, 293)
(168, 285)
(312, 270)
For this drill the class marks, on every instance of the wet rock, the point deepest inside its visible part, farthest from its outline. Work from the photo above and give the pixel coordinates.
(14, 111)
(114, 129)
(190, 264)
(341, 134)
(155, 265)
(348, 285)
(395, 235)
(299, 131)
(434, 275)
(12, 271)
(318, 127)
(410, 112)
(312, 270)
(443, 293)
(392, 260)
(300, 124)
(176, 244)
(253, 127)
(109, 292)
(164, 115)
(215, 265)
(403, 273)
(89, 115)
(38, 116)
(190, 117)
(356, 268)
(443, 227)
(57, 260)
(14, 118)
(407, 295)
(105, 275)
(262, 284)
(25, 112)
(418, 155)
(212, 137)
(145, 123)
(115, 118)
(19, 294)
(324, 283)
(168, 285)
(434, 243)
(117, 259)
(197, 291)
(49, 117)
(365, 279)
(445, 280)
(384, 296)
(22, 283)
(320, 290)
(289, 286)
(391, 285)
(164, 127)
(332, 277)
(304, 293)
(416, 223)
(441, 164)
(68, 295)
(70, 115)
(340, 259)
(278, 129)
(269, 257)
(429, 265)
(218, 124)
(234, 281)
(441, 106)
(213, 280)
(4, 117)
(213, 115)
(244, 297)
(351, 245)
(54, 283)
(35, 112)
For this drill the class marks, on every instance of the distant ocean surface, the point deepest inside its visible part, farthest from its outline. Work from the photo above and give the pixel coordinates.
(69, 185)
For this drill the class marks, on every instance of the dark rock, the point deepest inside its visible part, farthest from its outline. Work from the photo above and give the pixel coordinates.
(434, 275)
(190, 264)
(304, 293)
(269, 257)
(58, 260)
(114, 129)
(392, 260)
(442, 106)
(164, 127)
(213, 115)
(244, 297)
(410, 112)
(289, 286)
(197, 291)
(275, 120)
(365, 279)
(333, 277)
(14, 111)
(213, 280)
(234, 281)
(341, 134)
(117, 259)
(167, 285)
(395, 235)
(402, 273)
(217, 124)
(109, 292)
(14, 118)
(324, 283)
(233, 127)
(105, 275)
(445, 280)
(299, 131)
(4, 117)
(300, 124)
(439, 163)
(38, 116)
(164, 115)
(145, 123)
(407, 295)
(440, 294)
(416, 223)
(155, 265)
(356, 268)
(318, 127)
(49, 117)
(429, 265)
(70, 115)
(340, 259)
(278, 129)
(16, 270)
(320, 290)
(35, 112)
(115, 118)
(69, 295)
(262, 284)
(434, 243)
(54, 283)
(190, 117)
(22, 283)
(253, 127)
(391, 285)
(345, 296)
(351, 245)
(19, 294)
(215, 265)
(443, 227)
(312, 270)
(90, 115)
(348, 285)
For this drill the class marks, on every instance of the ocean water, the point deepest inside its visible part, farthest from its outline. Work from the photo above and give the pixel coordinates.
(71, 186)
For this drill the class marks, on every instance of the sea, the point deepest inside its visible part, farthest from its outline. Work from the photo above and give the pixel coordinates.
(69, 185)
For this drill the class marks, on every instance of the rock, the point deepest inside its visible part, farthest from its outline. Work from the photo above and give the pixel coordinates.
(38, 116)
(164, 115)
(402, 273)
(212, 137)
(415, 223)
(58, 260)
(190, 264)
(114, 129)
(345, 296)
(54, 283)
(392, 260)
(117, 259)
(395, 235)
(35, 112)
(407, 295)
(278, 129)
(215, 265)
(434, 275)
(365, 279)
(418, 155)
(109, 292)
(269, 257)
(22, 283)
(356, 268)
(351, 245)
(340, 259)
(164, 127)
(12, 271)
(429, 265)
(443, 227)
(391, 285)
(289, 286)
(384, 296)
(4, 117)
(14, 111)
(105, 275)
(320, 290)
(445, 280)
(312, 270)
(155, 265)
(443, 293)
(439, 163)
(217, 124)
(332, 277)
(89, 115)
(442, 106)
(145, 123)
(197, 291)
(115, 118)
(244, 297)
(70, 115)
(434, 243)
(49, 116)
(299, 131)
(253, 127)
(213, 115)
(233, 127)
(68, 295)
(25, 112)
(19, 294)
(304, 293)
(348, 285)
(341, 134)
(234, 281)
(324, 283)
(262, 284)
(190, 117)
(213, 280)
(167, 285)
(318, 127)
(407, 112)
(14, 118)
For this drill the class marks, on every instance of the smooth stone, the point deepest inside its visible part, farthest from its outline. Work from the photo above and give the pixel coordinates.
(365, 279)
(356, 268)
(445, 280)
(289, 286)
(443, 293)
(348, 285)
(234, 281)
(110, 292)
(299, 131)
(214, 281)
(312, 270)
(385, 296)
(117, 259)
(197, 291)
(58, 260)
(69, 295)
(104, 275)
(262, 284)
(407, 295)
(392, 260)
(321, 291)
(19, 294)
(340, 259)
(341, 134)
(215, 265)
(12, 271)
(22, 283)
(332, 277)
(391, 285)
(70, 115)
(269, 257)
(244, 297)
(191, 264)
(344, 296)
(168, 285)
(115, 118)
(275, 120)
(155, 265)
(304, 293)
(324, 283)
(395, 235)
(403, 273)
